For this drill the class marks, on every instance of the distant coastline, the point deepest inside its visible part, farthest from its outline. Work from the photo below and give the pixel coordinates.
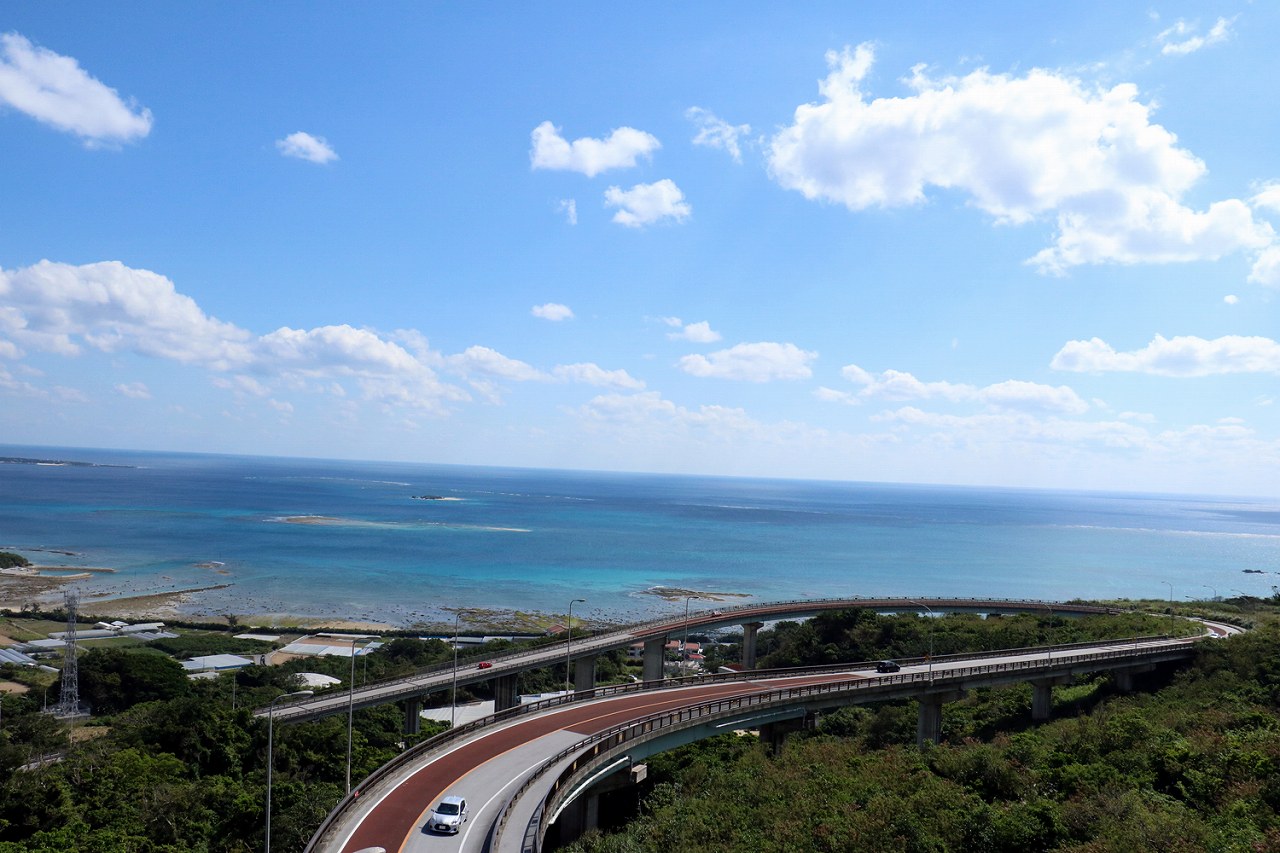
(61, 463)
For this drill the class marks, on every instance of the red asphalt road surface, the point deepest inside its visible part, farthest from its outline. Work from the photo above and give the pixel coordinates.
(394, 820)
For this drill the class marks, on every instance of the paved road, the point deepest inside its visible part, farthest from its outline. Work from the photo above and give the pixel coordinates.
(488, 767)
(420, 685)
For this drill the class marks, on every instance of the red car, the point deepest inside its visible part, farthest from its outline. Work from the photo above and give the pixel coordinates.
(484, 664)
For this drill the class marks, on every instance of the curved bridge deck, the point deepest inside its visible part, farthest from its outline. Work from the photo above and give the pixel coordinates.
(518, 770)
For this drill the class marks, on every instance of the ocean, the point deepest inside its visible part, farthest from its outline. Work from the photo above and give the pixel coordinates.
(402, 543)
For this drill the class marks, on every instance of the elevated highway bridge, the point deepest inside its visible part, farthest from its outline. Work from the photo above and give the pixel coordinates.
(582, 652)
(527, 768)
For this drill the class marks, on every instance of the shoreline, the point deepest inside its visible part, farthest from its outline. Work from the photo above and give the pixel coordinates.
(21, 589)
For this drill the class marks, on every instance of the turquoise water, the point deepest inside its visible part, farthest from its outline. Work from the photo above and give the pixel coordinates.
(533, 540)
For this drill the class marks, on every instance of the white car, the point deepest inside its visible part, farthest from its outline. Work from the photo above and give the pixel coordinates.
(448, 816)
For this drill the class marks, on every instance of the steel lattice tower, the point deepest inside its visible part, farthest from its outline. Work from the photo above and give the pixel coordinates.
(69, 700)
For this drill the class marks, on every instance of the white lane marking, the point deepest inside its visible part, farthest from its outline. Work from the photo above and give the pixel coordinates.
(528, 770)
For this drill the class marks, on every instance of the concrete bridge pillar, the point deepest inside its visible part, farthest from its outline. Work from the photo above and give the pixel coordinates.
(505, 694)
(929, 723)
(412, 716)
(584, 813)
(749, 631)
(1041, 700)
(774, 735)
(1123, 679)
(653, 650)
(584, 673)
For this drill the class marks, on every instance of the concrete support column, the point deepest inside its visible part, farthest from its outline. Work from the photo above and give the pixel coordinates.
(576, 818)
(412, 716)
(929, 723)
(1041, 700)
(774, 735)
(505, 694)
(1123, 679)
(653, 660)
(749, 631)
(584, 673)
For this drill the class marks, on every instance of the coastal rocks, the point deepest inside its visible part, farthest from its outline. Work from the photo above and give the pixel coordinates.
(675, 593)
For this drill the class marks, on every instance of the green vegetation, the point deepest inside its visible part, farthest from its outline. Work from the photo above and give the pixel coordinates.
(182, 763)
(10, 560)
(193, 645)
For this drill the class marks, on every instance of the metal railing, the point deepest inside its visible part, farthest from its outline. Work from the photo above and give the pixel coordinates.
(595, 749)
(628, 634)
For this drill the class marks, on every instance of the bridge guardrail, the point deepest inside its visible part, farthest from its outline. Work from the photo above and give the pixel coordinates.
(596, 745)
(626, 632)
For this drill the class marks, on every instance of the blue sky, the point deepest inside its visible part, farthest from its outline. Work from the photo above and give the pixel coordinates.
(909, 242)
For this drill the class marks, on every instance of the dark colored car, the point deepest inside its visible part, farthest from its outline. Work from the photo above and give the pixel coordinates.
(887, 666)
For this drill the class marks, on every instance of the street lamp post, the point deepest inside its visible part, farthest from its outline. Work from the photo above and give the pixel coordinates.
(568, 644)
(453, 697)
(684, 641)
(930, 610)
(1166, 583)
(271, 710)
(1050, 652)
(351, 701)
(1214, 589)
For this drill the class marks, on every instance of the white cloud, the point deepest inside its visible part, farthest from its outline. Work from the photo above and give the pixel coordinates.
(628, 408)
(1010, 394)
(1021, 149)
(55, 90)
(621, 150)
(831, 395)
(1179, 356)
(1266, 267)
(715, 132)
(593, 374)
(333, 350)
(133, 390)
(242, 385)
(645, 204)
(1267, 198)
(304, 146)
(756, 362)
(698, 333)
(57, 307)
(1231, 299)
(109, 307)
(1169, 46)
(569, 207)
(648, 412)
(478, 359)
(553, 311)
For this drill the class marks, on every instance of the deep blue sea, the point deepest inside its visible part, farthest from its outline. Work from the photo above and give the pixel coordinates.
(532, 540)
